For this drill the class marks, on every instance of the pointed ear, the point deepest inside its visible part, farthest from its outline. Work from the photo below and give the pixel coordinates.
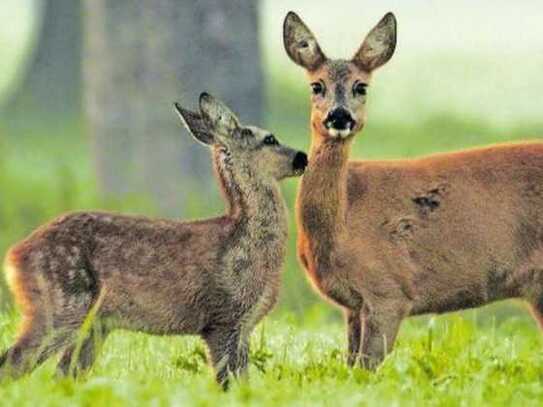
(195, 125)
(300, 43)
(219, 119)
(378, 46)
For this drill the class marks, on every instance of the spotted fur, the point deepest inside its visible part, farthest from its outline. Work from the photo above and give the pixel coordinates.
(216, 278)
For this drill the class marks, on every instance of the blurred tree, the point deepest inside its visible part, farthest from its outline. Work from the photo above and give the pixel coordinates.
(50, 85)
(140, 57)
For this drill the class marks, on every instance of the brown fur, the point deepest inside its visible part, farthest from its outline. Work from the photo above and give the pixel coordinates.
(215, 278)
(388, 239)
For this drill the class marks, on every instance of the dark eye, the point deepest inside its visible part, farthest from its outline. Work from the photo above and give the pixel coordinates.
(246, 133)
(360, 89)
(317, 88)
(270, 140)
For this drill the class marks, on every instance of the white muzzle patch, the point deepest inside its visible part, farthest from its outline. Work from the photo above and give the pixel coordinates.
(335, 133)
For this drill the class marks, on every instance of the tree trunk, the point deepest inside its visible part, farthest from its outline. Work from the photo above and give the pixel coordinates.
(50, 88)
(140, 57)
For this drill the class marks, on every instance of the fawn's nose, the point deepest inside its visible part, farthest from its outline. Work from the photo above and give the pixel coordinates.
(339, 119)
(300, 161)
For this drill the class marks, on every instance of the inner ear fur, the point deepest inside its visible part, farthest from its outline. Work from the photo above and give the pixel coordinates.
(217, 116)
(195, 124)
(378, 46)
(300, 43)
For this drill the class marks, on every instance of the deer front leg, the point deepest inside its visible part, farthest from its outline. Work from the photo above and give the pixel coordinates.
(380, 327)
(354, 335)
(224, 353)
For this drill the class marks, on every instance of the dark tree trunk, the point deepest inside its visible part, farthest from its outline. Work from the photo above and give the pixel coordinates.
(50, 88)
(140, 57)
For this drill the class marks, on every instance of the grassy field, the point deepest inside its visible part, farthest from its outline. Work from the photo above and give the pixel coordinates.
(472, 359)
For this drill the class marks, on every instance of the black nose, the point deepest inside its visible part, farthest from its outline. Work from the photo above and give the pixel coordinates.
(300, 161)
(339, 119)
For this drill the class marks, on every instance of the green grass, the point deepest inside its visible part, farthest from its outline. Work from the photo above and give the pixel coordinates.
(466, 359)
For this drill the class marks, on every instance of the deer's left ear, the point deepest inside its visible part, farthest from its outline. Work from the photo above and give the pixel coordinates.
(218, 118)
(378, 46)
(194, 124)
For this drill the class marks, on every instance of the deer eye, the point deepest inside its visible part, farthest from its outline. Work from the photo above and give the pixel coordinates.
(360, 89)
(317, 88)
(246, 133)
(270, 140)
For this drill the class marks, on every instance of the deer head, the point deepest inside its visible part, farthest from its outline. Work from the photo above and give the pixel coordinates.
(339, 87)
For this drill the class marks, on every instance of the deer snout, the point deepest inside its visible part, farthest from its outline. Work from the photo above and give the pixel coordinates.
(300, 162)
(339, 122)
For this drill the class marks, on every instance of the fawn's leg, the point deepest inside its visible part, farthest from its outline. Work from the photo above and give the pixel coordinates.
(36, 344)
(55, 290)
(72, 364)
(354, 335)
(241, 367)
(537, 306)
(224, 347)
(380, 327)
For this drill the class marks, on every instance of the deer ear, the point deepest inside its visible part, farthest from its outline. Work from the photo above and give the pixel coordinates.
(218, 118)
(300, 43)
(378, 46)
(195, 125)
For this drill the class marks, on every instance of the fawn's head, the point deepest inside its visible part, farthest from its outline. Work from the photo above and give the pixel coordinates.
(249, 147)
(339, 86)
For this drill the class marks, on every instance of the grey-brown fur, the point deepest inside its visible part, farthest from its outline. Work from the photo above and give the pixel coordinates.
(215, 278)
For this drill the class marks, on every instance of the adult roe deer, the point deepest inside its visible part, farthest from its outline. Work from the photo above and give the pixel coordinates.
(215, 278)
(388, 239)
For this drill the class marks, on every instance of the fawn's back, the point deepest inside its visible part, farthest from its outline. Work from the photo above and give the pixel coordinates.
(153, 271)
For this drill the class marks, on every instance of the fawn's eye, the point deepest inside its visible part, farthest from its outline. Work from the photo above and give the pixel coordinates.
(270, 140)
(317, 88)
(246, 133)
(360, 89)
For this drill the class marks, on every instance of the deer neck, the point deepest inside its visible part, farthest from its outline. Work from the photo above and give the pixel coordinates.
(322, 197)
(251, 200)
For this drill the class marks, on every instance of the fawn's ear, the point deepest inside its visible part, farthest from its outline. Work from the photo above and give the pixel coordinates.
(378, 46)
(300, 43)
(195, 125)
(218, 118)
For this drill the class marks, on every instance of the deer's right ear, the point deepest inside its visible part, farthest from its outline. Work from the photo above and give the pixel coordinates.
(300, 43)
(195, 125)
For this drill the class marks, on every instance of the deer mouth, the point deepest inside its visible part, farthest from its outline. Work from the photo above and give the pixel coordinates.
(336, 133)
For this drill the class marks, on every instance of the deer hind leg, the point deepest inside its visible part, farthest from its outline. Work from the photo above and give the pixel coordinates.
(31, 349)
(78, 358)
(354, 336)
(537, 312)
(527, 283)
(54, 306)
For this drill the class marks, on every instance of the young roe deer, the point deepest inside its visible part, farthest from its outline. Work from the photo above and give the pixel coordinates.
(216, 278)
(388, 239)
